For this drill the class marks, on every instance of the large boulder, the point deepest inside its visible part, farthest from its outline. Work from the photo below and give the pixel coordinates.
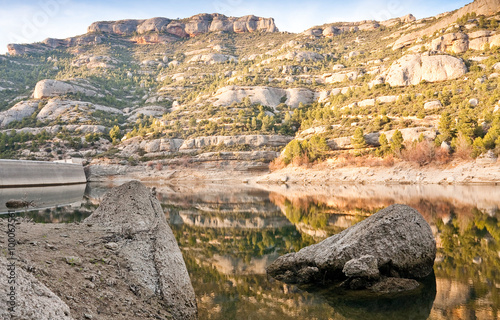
(33, 299)
(18, 112)
(147, 243)
(397, 238)
(53, 88)
(415, 68)
(267, 96)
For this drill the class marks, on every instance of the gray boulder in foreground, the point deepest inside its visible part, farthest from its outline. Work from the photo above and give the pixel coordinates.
(396, 240)
(145, 240)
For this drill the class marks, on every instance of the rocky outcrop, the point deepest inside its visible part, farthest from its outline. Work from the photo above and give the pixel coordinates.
(154, 30)
(52, 88)
(92, 62)
(70, 110)
(33, 299)
(396, 242)
(300, 56)
(451, 42)
(409, 134)
(415, 68)
(251, 140)
(18, 112)
(479, 7)
(50, 43)
(189, 27)
(132, 146)
(212, 58)
(267, 96)
(143, 237)
(365, 25)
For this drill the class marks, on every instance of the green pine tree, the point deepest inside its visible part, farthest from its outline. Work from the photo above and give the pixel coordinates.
(358, 139)
(397, 142)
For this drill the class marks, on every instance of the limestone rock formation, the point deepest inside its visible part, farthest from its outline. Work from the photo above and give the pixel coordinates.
(397, 238)
(52, 88)
(18, 112)
(69, 110)
(252, 140)
(415, 68)
(479, 7)
(34, 300)
(212, 58)
(155, 261)
(266, 96)
(190, 27)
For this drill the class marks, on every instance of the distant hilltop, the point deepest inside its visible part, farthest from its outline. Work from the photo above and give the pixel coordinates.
(154, 30)
(190, 27)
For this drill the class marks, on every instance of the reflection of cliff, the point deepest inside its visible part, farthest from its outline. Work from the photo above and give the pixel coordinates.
(230, 221)
(430, 200)
(230, 265)
(221, 201)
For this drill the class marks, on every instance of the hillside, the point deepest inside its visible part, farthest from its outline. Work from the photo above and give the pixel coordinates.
(160, 89)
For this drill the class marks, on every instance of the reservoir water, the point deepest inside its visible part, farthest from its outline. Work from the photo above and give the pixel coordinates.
(228, 237)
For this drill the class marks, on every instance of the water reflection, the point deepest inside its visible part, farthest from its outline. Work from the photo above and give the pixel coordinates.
(229, 237)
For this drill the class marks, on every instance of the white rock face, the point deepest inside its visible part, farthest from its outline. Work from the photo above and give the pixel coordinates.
(366, 103)
(92, 62)
(69, 110)
(300, 56)
(18, 112)
(387, 99)
(266, 96)
(154, 111)
(34, 299)
(434, 104)
(412, 69)
(52, 88)
(212, 58)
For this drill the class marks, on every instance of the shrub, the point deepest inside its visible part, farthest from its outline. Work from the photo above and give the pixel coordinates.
(422, 152)
(463, 147)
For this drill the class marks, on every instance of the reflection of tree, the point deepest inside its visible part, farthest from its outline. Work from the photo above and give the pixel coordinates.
(250, 297)
(470, 254)
(240, 243)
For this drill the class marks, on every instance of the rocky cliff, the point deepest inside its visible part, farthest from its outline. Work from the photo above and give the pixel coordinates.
(154, 30)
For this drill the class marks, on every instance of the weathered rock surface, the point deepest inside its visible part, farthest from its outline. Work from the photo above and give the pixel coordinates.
(267, 96)
(365, 25)
(33, 299)
(409, 134)
(137, 220)
(51, 88)
(398, 238)
(479, 7)
(69, 110)
(212, 58)
(18, 112)
(434, 104)
(190, 27)
(415, 68)
(251, 140)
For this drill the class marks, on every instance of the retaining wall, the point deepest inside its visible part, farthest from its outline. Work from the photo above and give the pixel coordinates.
(19, 173)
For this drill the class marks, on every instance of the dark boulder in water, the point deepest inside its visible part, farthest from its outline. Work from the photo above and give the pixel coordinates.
(396, 242)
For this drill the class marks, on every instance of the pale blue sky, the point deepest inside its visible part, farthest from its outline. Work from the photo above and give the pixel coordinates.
(29, 21)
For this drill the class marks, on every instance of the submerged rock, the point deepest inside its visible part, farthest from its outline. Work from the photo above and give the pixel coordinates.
(147, 243)
(395, 241)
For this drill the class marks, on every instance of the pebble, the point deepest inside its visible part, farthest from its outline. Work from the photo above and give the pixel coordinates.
(111, 245)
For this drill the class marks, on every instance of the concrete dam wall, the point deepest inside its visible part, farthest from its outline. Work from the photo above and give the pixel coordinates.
(19, 173)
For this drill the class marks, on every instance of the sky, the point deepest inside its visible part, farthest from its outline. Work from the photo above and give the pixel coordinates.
(29, 21)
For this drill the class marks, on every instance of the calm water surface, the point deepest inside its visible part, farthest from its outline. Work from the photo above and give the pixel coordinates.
(228, 237)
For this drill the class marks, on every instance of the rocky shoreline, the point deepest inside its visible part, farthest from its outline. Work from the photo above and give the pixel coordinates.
(122, 262)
